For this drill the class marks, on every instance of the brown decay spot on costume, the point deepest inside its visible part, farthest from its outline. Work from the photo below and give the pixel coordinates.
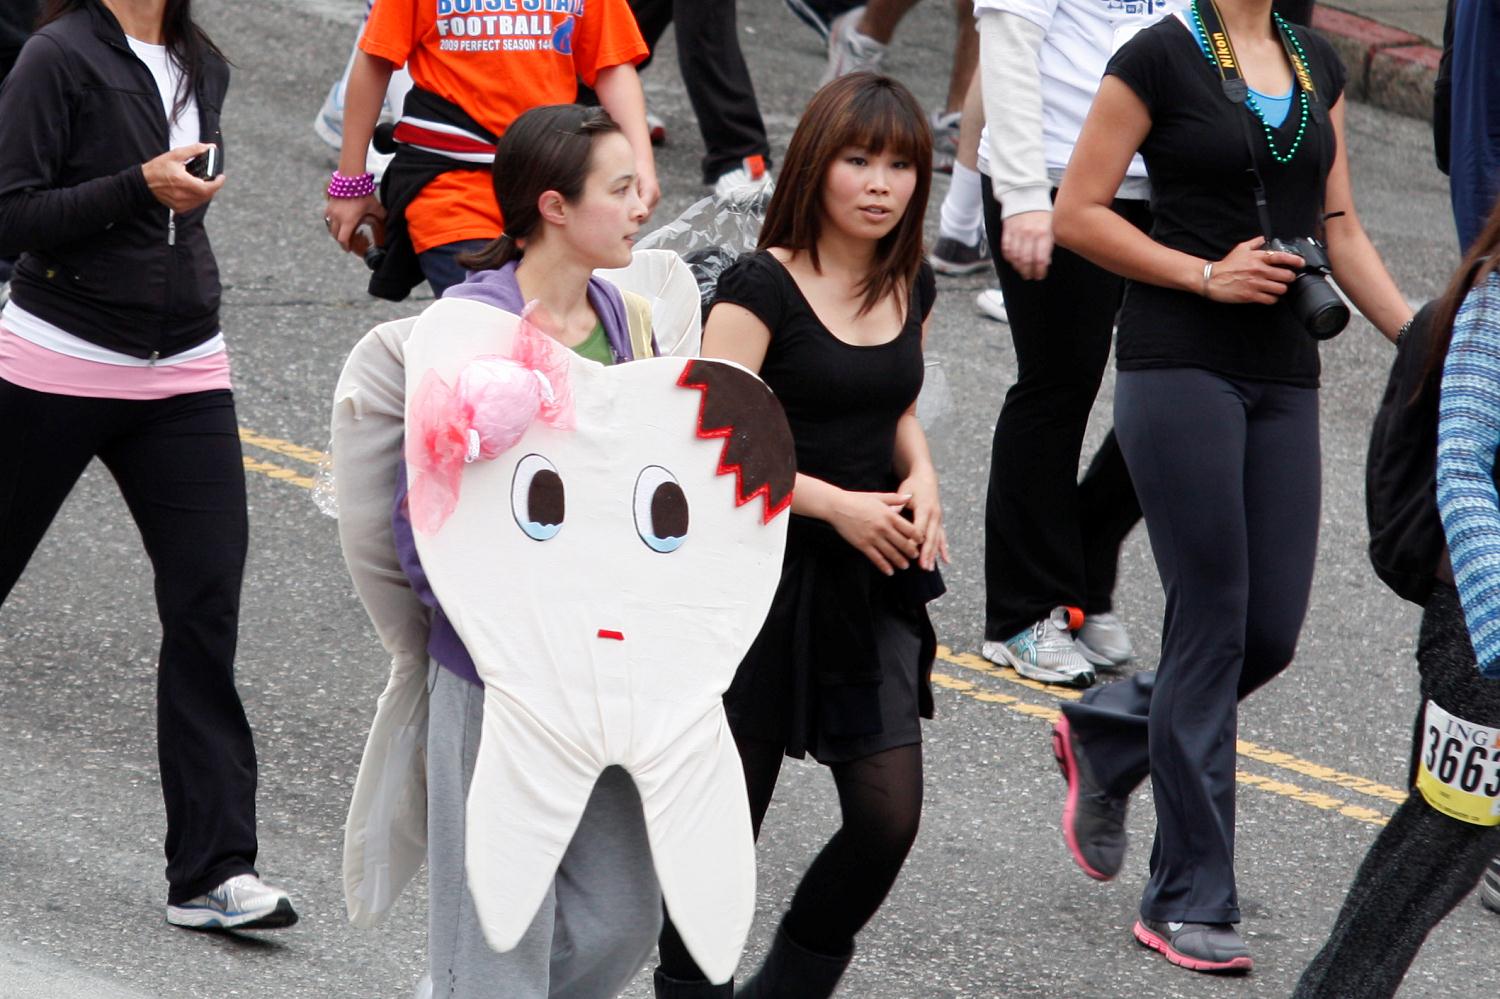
(669, 511)
(758, 448)
(544, 499)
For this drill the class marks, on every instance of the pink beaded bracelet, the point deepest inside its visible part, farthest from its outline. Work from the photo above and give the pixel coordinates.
(340, 186)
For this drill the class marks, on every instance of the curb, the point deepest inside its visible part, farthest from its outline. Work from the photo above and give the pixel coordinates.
(1388, 67)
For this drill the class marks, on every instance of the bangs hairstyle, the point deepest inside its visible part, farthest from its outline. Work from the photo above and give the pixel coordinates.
(870, 112)
(548, 148)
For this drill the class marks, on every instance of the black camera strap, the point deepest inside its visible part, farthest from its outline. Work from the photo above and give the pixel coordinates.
(1221, 51)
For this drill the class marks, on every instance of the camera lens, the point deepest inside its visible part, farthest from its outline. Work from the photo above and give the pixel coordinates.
(1317, 306)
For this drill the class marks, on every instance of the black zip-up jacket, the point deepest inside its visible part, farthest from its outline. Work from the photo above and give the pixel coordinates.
(101, 257)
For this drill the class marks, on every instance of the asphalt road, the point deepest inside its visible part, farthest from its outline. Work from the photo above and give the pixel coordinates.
(989, 904)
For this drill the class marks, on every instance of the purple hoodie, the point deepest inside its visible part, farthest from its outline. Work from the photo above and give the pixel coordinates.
(497, 288)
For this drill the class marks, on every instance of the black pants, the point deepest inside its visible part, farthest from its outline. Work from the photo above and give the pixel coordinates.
(1228, 473)
(1049, 539)
(1423, 863)
(715, 75)
(177, 462)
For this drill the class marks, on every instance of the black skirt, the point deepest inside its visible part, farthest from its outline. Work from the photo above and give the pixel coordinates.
(842, 668)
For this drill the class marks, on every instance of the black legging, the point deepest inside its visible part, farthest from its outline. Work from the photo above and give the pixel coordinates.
(880, 801)
(1423, 863)
(178, 464)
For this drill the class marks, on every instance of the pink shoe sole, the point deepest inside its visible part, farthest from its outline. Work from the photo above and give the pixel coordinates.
(1062, 748)
(1147, 938)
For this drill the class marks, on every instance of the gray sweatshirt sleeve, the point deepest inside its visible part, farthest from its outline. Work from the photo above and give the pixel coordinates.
(1012, 86)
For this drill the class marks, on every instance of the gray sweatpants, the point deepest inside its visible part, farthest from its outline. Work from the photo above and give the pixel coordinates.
(597, 925)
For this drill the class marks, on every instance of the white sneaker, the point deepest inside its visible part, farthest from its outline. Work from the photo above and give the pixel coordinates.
(991, 303)
(1102, 640)
(243, 902)
(1044, 652)
(848, 50)
(750, 176)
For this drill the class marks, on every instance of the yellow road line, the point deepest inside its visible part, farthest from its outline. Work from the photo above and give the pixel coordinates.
(977, 664)
(310, 455)
(1285, 789)
(277, 472)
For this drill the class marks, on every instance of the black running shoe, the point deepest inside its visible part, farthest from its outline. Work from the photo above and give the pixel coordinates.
(1216, 948)
(1093, 821)
(1489, 888)
(955, 258)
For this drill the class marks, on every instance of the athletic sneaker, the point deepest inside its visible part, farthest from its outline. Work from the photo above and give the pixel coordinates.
(1045, 651)
(956, 258)
(751, 175)
(811, 16)
(243, 902)
(1489, 888)
(1212, 947)
(1103, 640)
(328, 125)
(1093, 821)
(944, 139)
(657, 129)
(848, 50)
(991, 304)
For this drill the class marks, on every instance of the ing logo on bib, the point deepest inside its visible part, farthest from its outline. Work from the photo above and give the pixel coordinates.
(1458, 772)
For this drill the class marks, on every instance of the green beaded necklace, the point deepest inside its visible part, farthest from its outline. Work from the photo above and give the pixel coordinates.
(1260, 114)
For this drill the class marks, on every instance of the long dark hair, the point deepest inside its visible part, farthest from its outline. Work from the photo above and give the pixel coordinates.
(871, 112)
(549, 148)
(1470, 274)
(187, 43)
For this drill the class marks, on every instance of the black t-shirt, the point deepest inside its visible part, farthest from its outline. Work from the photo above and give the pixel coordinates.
(842, 401)
(1203, 203)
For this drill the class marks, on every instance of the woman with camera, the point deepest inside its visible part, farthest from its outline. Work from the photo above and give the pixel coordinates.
(110, 348)
(1239, 118)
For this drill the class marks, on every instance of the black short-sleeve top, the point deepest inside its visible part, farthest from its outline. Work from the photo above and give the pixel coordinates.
(842, 401)
(1203, 203)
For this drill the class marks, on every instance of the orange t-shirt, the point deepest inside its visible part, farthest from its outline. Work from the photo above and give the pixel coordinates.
(495, 59)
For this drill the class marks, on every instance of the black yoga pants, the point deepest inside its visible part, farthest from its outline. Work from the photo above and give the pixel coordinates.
(178, 465)
(1050, 540)
(1228, 474)
(1423, 863)
(715, 75)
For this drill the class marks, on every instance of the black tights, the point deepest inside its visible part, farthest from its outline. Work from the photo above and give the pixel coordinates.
(880, 799)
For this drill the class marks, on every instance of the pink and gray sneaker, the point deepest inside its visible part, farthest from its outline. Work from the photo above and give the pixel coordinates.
(1093, 822)
(1214, 948)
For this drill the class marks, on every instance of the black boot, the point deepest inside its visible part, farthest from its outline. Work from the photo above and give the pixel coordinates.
(671, 988)
(792, 971)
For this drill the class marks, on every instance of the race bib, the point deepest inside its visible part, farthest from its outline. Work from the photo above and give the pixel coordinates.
(1459, 769)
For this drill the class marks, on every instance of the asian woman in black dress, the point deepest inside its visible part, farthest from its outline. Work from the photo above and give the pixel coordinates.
(830, 310)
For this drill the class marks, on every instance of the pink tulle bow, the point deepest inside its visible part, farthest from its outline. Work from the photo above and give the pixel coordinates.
(495, 403)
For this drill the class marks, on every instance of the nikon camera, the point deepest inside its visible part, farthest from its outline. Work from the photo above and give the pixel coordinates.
(1313, 300)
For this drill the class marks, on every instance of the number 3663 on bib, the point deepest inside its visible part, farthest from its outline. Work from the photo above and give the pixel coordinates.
(1459, 769)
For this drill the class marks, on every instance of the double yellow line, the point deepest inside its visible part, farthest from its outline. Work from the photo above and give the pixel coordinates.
(992, 683)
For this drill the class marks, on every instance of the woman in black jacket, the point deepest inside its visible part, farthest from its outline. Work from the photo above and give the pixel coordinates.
(110, 348)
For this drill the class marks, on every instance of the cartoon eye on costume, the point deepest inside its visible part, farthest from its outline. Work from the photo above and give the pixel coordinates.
(661, 510)
(536, 497)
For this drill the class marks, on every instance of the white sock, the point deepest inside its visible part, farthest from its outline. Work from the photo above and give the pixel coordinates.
(962, 215)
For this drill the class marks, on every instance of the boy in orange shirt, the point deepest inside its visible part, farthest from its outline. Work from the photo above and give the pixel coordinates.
(476, 65)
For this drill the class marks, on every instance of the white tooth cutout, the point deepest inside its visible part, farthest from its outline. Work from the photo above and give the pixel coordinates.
(561, 702)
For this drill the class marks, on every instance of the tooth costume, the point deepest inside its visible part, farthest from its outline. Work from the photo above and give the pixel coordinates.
(603, 560)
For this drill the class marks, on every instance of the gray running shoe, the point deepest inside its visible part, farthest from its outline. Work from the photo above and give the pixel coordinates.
(944, 139)
(1093, 822)
(956, 258)
(848, 50)
(1102, 640)
(1045, 651)
(1216, 948)
(243, 902)
(1489, 888)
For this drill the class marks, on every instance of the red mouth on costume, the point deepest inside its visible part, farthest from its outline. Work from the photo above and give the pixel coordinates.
(617, 636)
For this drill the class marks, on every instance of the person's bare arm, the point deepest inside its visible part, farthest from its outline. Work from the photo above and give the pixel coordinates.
(1356, 263)
(619, 90)
(1085, 223)
(363, 97)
